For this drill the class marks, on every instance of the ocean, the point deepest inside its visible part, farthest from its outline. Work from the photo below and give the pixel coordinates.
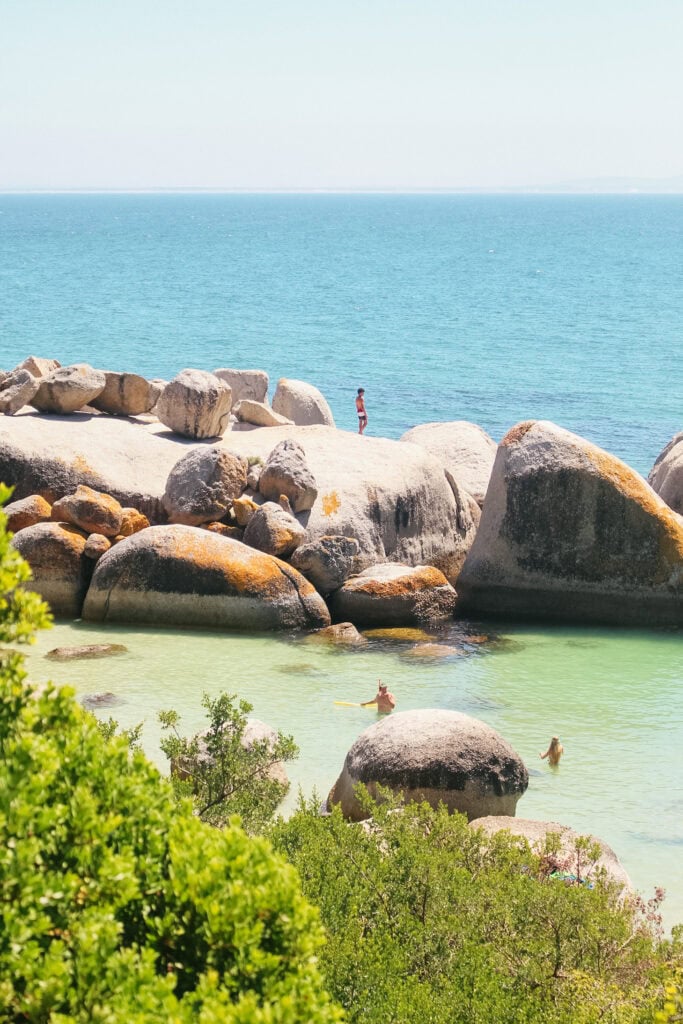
(487, 308)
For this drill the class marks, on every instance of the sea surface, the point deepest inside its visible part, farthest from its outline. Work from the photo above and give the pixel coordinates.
(488, 308)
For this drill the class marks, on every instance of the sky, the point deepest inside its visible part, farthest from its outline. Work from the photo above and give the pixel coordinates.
(316, 94)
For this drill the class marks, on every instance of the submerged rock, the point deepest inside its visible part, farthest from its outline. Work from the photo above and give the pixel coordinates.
(399, 634)
(432, 652)
(391, 594)
(96, 701)
(570, 532)
(433, 755)
(182, 575)
(86, 651)
(342, 633)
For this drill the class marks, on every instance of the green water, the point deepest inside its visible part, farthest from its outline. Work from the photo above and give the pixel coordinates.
(614, 697)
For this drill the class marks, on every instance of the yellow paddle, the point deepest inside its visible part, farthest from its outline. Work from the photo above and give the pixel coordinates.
(353, 704)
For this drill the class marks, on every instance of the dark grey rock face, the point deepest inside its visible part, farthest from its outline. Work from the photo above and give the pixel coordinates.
(203, 484)
(327, 562)
(434, 755)
(286, 472)
(273, 530)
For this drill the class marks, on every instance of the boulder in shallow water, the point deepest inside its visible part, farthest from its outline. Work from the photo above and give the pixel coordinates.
(182, 575)
(203, 484)
(86, 651)
(433, 755)
(666, 476)
(287, 472)
(343, 634)
(394, 595)
(27, 512)
(55, 552)
(68, 389)
(245, 384)
(195, 404)
(569, 532)
(18, 389)
(327, 562)
(125, 394)
(463, 448)
(273, 530)
(301, 403)
(536, 833)
(91, 510)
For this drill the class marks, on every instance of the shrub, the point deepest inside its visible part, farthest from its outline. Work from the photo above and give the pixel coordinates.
(116, 903)
(429, 920)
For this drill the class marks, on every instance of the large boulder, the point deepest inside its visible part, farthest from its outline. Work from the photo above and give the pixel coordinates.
(55, 552)
(17, 390)
(249, 384)
(463, 448)
(535, 833)
(68, 389)
(273, 530)
(37, 366)
(258, 414)
(286, 472)
(181, 575)
(90, 510)
(203, 484)
(394, 595)
(666, 476)
(301, 403)
(570, 532)
(195, 404)
(125, 394)
(394, 498)
(27, 512)
(443, 757)
(327, 562)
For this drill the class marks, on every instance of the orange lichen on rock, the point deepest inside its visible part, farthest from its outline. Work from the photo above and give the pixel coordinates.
(517, 432)
(330, 503)
(411, 583)
(132, 522)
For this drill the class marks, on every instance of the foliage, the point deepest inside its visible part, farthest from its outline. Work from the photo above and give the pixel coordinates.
(116, 903)
(429, 920)
(671, 1009)
(222, 772)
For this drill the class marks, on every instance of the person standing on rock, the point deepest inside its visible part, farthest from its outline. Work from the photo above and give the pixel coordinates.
(385, 701)
(360, 409)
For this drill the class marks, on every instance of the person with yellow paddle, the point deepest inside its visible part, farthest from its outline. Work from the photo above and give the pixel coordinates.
(385, 701)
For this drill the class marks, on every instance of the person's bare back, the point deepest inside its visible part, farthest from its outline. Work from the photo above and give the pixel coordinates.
(554, 752)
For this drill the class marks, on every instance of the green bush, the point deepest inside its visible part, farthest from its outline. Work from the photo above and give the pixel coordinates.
(116, 903)
(430, 921)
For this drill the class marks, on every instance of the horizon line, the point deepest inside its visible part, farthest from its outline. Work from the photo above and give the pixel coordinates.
(456, 190)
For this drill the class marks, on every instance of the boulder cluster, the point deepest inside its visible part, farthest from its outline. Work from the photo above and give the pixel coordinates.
(184, 490)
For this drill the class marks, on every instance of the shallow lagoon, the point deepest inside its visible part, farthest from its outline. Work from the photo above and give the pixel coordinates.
(614, 697)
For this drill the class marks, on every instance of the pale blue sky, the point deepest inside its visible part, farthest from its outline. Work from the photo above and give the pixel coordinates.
(315, 93)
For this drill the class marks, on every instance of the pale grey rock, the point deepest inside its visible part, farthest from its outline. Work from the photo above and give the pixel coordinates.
(156, 387)
(250, 384)
(183, 575)
(569, 532)
(433, 755)
(195, 404)
(18, 390)
(394, 498)
(68, 388)
(327, 562)
(203, 484)
(125, 394)
(273, 530)
(254, 475)
(258, 414)
(38, 367)
(394, 595)
(536, 833)
(666, 476)
(463, 448)
(301, 403)
(287, 472)
(55, 552)
(96, 545)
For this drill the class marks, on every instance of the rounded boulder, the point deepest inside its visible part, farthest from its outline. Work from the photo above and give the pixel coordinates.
(463, 448)
(666, 476)
(443, 757)
(55, 552)
(182, 575)
(195, 404)
(273, 530)
(301, 403)
(394, 595)
(125, 394)
(68, 389)
(17, 390)
(27, 512)
(203, 484)
(91, 510)
(327, 562)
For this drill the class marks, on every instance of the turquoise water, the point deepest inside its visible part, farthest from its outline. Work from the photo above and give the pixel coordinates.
(488, 308)
(614, 697)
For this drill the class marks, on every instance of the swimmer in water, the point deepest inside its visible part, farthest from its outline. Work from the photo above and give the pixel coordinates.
(554, 752)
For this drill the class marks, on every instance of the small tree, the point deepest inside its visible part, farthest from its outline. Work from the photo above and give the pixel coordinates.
(223, 771)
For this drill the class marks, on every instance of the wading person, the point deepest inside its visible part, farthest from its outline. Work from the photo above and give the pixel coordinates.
(554, 752)
(385, 701)
(360, 409)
